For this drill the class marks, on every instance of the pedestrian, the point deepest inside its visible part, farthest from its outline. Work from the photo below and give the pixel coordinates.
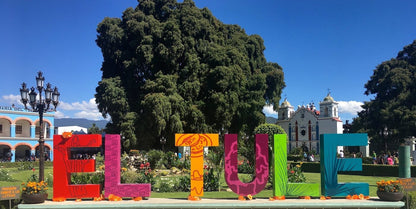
(390, 160)
(341, 154)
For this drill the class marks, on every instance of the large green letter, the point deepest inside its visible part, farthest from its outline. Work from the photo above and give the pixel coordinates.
(280, 183)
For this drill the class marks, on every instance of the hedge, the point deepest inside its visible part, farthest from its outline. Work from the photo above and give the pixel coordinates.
(312, 167)
(20, 164)
(368, 169)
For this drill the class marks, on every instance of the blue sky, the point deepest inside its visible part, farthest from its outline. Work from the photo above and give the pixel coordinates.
(321, 45)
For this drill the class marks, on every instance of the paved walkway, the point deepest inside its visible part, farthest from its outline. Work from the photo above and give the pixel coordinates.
(153, 203)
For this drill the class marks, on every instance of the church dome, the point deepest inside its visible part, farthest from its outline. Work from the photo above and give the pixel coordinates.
(328, 98)
(285, 103)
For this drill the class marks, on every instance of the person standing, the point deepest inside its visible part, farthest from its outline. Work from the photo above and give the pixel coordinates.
(341, 154)
(390, 160)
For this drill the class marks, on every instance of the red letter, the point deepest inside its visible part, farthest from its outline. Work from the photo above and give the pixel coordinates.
(63, 167)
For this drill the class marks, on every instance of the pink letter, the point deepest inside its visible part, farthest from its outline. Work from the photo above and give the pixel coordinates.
(112, 172)
(231, 165)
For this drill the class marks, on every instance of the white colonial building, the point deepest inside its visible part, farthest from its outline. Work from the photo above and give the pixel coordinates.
(304, 125)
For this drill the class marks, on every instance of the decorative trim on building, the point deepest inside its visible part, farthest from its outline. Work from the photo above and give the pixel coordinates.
(24, 144)
(7, 144)
(7, 118)
(23, 118)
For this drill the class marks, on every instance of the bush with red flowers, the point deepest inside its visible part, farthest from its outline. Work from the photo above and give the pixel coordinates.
(294, 174)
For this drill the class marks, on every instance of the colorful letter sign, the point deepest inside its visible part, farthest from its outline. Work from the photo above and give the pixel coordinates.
(231, 165)
(281, 186)
(330, 164)
(197, 142)
(112, 172)
(63, 166)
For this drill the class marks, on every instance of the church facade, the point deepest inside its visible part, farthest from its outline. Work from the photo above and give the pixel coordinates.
(304, 125)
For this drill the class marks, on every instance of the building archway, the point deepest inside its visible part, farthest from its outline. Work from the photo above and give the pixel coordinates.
(47, 152)
(5, 124)
(46, 128)
(5, 152)
(22, 127)
(22, 152)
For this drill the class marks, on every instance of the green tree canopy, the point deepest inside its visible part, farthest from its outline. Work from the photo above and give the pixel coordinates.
(391, 116)
(171, 68)
(94, 129)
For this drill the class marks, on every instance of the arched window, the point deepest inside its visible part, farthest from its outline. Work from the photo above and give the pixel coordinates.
(297, 133)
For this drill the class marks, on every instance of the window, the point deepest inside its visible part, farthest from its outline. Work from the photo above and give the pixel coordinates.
(1, 128)
(303, 132)
(19, 129)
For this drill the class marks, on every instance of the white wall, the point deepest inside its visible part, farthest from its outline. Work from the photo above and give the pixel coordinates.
(70, 129)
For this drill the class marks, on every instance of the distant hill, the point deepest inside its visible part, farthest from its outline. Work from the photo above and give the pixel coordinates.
(102, 123)
(271, 120)
(80, 122)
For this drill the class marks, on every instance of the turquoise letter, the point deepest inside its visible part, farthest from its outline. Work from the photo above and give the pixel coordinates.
(330, 164)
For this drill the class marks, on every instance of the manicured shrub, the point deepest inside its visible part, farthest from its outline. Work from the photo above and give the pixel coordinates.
(88, 178)
(19, 164)
(211, 181)
(129, 176)
(4, 175)
(246, 167)
(170, 160)
(294, 158)
(410, 199)
(367, 160)
(165, 187)
(183, 184)
(154, 156)
(295, 175)
(368, 169)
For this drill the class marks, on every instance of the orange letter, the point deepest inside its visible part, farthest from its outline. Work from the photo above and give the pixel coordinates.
(197, 142)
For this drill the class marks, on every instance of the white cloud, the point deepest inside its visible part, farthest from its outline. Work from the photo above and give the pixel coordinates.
(59, 114)
(82, 109)
(11, 99)
(268, 111)
(350, 107)
(89, 115)
(84, 106)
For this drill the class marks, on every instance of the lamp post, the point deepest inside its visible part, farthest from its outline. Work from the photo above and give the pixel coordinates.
(163, 142)
(40, 106)
(385, 133)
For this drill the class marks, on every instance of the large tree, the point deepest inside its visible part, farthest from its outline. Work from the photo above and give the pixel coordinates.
(390, 117)
(171, 67)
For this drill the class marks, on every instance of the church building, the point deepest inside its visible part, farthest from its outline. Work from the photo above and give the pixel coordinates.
(304, 125)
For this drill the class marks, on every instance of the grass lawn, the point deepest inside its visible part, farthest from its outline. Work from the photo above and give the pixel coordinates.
(20, 176)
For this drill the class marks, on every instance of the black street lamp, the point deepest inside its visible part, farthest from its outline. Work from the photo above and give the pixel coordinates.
(40, 106)
(163, 142)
